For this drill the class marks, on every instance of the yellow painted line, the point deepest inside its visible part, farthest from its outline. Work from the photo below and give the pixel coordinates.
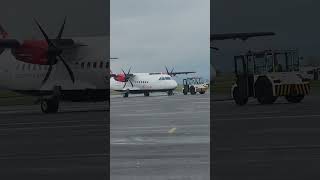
(172, 130)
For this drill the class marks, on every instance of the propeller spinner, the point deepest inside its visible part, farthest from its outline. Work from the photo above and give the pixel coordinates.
(54, 53)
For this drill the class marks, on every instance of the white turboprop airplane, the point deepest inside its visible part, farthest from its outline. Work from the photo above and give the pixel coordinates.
(144, 83)
(57, 69)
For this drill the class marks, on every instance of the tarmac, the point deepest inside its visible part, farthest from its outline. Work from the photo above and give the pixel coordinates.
(278, 141)
(72, 144)
(160, 137)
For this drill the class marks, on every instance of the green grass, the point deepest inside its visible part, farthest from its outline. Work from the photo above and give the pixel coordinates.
(315, 87)
(9, 98)
(223, 84)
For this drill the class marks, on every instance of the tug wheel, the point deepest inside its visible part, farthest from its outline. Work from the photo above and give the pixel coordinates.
(239, 100)
(264, 93)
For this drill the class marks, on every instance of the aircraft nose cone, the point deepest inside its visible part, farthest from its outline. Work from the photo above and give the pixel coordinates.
(174, 84)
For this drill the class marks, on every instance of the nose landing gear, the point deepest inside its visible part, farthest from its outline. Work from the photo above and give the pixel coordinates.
(50, 105)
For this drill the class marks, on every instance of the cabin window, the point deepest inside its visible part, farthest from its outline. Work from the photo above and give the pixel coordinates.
(34, 67)
(29, 67)
(18, 66)
(168, 78)
(39, 67)
(101, 64)
(82, 65)
(95, 65)
(88, 65)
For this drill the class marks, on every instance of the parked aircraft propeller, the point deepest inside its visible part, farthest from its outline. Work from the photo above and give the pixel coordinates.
(127, 77)
(54, 52)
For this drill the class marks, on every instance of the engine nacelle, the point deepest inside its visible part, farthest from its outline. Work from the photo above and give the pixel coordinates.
(32, 51)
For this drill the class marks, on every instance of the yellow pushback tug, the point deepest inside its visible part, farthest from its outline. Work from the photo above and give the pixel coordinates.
(268, 74)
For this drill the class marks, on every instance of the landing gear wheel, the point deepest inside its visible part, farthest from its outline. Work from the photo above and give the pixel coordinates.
(125, 95)
(170, 93)
(264, 93)
(193, 90)
(295, 99)
(50, 105)
(237, 97)
(202, 92)
(146, 94)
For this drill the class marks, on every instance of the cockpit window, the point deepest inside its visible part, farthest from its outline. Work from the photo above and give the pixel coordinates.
(168, 78)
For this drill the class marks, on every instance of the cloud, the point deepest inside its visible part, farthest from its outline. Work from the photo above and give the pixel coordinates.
(149, 34)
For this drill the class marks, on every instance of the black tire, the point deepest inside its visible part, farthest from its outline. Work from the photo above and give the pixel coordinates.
(170, 93)
(263, 91)
(238, 99)
(295, 99)
(125, 95)
(202, 92)
(193, 90)
(50, 105)
(185, 91)
(146, 94)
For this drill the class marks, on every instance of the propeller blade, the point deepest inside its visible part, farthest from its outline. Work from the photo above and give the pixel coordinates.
(129, 71)
(47, 75)
(68, 68)
(44, 33)
(167, 70)
(123, 71)
(131, 83)
(62, 28)
(125, 84)
(171, 74)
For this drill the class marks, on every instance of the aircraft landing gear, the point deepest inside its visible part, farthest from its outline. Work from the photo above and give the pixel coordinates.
(146, 94)
(170, 93)
(125, 95)
(50, 105)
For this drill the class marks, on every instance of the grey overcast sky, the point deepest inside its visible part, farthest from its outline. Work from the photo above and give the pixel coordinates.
(295, 22)
(149, 34)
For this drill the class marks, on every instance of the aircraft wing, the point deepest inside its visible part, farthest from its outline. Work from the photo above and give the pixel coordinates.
(176, 73)
(242, 36)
